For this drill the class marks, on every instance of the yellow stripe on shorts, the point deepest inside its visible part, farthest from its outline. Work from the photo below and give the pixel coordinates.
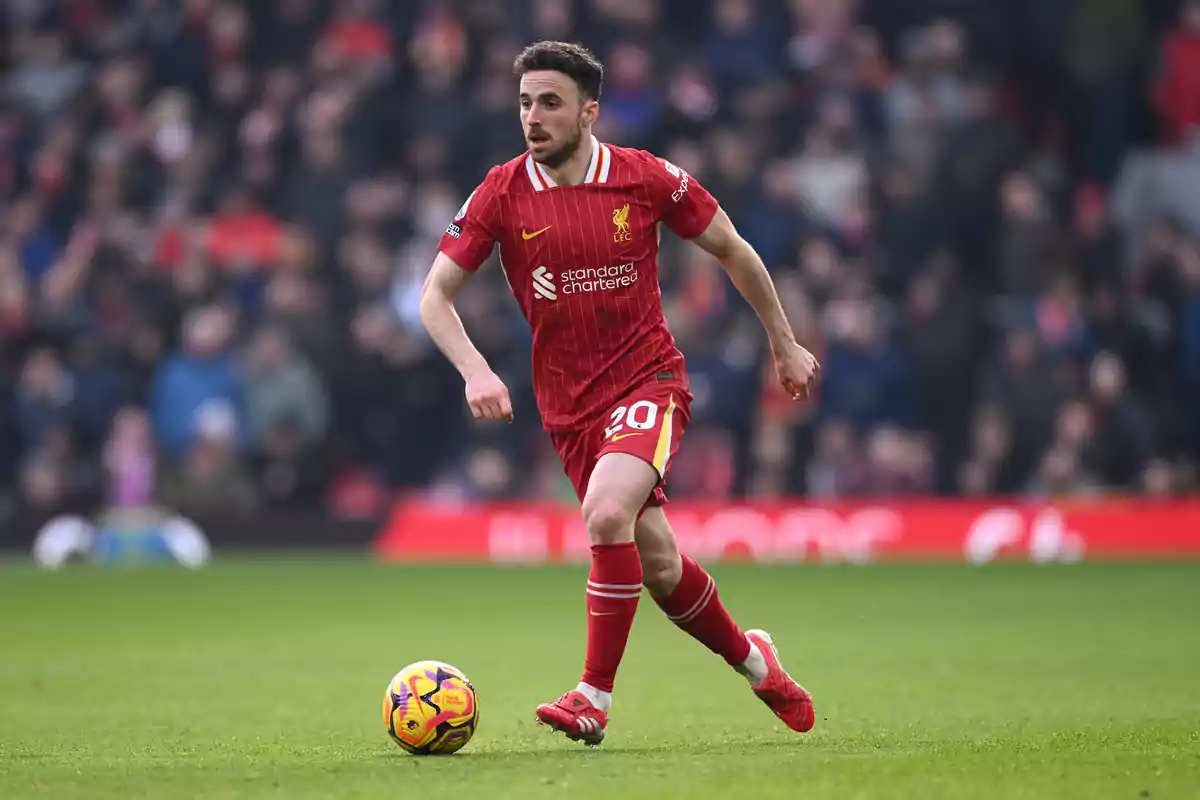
(662, 451)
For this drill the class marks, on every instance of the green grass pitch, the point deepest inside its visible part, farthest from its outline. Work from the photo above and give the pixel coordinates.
(263, 678)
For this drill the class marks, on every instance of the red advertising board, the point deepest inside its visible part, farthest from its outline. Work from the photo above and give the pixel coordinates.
(929, 530)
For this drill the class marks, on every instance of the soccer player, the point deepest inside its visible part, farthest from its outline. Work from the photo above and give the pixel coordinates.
(577, 221)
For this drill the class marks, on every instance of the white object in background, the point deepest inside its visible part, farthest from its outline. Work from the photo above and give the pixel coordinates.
(187, 542)
(61, 538)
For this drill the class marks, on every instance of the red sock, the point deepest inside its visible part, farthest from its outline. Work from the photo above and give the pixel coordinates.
(613, 589)
(696, 608)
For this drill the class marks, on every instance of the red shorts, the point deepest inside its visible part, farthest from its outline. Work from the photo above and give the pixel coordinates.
(647, 423)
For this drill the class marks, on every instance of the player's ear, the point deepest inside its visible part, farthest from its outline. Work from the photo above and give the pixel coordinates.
(591, 110)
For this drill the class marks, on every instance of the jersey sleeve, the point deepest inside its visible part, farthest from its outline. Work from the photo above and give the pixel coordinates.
(474, 231)
(683, 204)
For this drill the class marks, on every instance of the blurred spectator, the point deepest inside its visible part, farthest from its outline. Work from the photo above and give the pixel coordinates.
(836, 469)
(1024, 385)
(287, 414)
(198, 382)
(1060, 476)
(130, 460)
(740, 46)
(1123, 440)
(1099, 245)
(1104, 54)
(43, 486)
(1177, 92)
(210, 480)
(831, 176)
(1027, 238)
(1157, 185)
(1158, 479)
(282, 390)
(630, 105)
(865, 378)
(932, 81)
(989, 467)
(940, 335)
(48, 78)
(898, 463)
(45, 397)
(99, 389)
(219, 217)
(975, 152)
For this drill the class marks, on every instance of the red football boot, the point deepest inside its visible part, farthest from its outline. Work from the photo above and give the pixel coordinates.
(788, 699)
(574, 715)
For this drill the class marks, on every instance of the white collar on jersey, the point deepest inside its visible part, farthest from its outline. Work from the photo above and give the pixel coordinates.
(597, 171)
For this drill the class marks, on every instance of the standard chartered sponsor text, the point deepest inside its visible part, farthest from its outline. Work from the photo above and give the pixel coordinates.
(598, 279)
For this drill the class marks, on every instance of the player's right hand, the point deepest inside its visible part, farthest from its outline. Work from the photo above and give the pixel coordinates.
(797, 370)
(488, 397)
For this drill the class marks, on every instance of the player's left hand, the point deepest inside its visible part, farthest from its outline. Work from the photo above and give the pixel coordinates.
(797, 370)
(488, 397)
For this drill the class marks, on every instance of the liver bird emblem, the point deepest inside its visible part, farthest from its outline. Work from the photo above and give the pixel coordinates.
(621, 219)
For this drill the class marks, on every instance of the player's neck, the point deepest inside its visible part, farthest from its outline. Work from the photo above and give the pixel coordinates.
(574, 169)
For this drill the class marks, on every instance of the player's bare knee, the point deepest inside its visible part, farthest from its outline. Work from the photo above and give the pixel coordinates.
(661, 572)
(607, 521)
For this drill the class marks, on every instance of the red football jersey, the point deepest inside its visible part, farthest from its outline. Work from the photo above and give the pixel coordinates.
(582, 262)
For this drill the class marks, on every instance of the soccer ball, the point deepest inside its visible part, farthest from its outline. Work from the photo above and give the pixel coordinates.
(430, 708)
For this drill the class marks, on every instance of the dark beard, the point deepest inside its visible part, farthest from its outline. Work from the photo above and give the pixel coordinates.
(558, 156)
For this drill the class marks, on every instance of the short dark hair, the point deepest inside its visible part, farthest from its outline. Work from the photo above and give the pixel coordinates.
(573, 60)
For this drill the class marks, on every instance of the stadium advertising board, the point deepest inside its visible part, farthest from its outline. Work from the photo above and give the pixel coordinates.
(977, 532)
(152, 535)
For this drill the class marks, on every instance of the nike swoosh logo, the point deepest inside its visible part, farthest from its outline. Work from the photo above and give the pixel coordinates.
(621, 436)
(528, 236)
(602, 613)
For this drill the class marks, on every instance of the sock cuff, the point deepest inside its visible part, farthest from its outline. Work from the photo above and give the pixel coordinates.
(619, 547)
(694, 592)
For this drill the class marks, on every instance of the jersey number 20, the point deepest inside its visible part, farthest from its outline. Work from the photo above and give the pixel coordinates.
(639, 416)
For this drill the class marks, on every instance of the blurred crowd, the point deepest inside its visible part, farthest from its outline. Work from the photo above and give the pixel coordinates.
(982, 215)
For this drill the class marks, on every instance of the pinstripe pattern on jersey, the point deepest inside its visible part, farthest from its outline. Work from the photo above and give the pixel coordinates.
(593, 341)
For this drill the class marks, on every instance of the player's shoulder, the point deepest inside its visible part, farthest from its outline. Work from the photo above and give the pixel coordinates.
(502, 178)
(640, 159)
(641, 165)
(483, 201)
